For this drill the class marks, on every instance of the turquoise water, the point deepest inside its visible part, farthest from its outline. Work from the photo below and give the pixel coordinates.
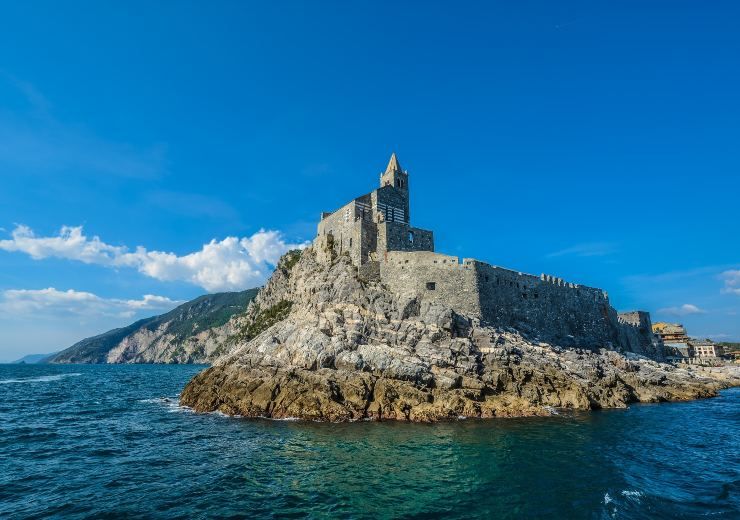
(92, 441)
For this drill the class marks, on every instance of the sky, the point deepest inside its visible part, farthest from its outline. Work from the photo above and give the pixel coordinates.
(151, 152)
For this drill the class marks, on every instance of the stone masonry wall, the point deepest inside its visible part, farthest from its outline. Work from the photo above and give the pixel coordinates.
(393, 204)
(636, 334)
(396, 236)
(543, 307)
(345, 230)
(434, 277)
(353, 230)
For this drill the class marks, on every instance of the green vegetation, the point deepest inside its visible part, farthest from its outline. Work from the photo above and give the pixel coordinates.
(264, 319)
(211, 310)
(730, 346)
(183, 322)
(289, 259)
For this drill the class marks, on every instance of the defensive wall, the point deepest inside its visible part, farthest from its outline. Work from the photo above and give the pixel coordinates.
(636, 334)
(375, 231)
(543, 306)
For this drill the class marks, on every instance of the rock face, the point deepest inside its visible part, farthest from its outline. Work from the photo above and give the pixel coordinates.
(319, 342)
(195, 332)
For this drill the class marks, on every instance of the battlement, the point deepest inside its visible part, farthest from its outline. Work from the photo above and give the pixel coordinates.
(636, 334)
(375, 230)
(428, 258)
(635, 318)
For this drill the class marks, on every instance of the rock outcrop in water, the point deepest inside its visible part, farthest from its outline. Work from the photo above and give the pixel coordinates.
(320, 342)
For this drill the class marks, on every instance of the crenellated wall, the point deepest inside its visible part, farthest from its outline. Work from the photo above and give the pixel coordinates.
(375, 231)
(544, 307)
(409, 273)
(636, 334)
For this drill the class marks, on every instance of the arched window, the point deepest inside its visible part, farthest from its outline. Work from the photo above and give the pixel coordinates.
(411, 237)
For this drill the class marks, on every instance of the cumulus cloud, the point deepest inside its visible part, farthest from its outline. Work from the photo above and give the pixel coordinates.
(70, 243)
(50, 301)
(684, 310)
(732, 282)
(230, 264)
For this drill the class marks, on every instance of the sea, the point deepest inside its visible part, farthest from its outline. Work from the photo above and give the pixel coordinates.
(112, 441)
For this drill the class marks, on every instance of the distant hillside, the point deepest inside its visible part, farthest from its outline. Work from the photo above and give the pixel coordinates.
(730, 346)
(31, 359)
(190, 333)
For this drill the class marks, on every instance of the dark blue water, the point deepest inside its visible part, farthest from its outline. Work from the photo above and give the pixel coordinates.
(92, 441)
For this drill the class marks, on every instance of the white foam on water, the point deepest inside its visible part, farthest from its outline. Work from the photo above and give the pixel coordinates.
(40, 379)
(172, 404)
(159, 400)
(607, 498)
(551, 410)
(285, 419)
(632, 494)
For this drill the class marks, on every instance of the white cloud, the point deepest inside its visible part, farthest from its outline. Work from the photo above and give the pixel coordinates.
(732, 282)
(586, 249)
(70, 243)
(683, 310)
(51, 302)
(231, 264)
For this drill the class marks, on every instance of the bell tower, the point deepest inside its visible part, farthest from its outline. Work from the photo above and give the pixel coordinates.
(394, 175)
(396, 178)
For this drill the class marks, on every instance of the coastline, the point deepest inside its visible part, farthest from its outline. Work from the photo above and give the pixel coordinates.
(339, 396)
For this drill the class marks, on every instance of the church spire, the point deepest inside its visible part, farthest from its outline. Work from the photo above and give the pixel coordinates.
(393, 165)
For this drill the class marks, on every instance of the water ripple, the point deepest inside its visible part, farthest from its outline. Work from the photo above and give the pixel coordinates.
(40, 379)
(114, 441)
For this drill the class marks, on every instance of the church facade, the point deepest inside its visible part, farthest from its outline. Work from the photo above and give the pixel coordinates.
(378, 222)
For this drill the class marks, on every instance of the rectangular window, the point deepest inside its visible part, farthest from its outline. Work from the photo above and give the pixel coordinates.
(431, 286)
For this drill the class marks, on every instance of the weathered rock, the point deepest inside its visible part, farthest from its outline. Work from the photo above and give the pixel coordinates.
(194, 332)
(320, 342)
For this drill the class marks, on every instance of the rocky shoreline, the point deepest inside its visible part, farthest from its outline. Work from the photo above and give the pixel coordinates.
(321, 343)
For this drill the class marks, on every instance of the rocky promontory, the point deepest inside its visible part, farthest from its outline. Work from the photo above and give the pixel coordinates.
(320, 342)
(194, 332)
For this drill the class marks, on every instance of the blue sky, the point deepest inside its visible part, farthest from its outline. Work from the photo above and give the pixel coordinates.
(597, 141)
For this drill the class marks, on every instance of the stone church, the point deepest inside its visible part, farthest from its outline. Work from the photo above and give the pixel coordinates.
(375, 231)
